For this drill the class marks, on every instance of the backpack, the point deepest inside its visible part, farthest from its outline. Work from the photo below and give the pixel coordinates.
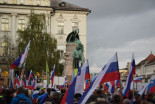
(22, 101)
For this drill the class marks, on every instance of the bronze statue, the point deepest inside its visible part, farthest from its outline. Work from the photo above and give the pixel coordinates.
(73, 36)
(78, 54)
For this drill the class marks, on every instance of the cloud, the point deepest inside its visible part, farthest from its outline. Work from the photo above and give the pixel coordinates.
(100, 56)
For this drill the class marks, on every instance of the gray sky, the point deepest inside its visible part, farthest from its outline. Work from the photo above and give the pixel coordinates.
(123, 26)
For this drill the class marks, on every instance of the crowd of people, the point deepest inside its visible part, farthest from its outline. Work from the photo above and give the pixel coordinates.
(53, 96)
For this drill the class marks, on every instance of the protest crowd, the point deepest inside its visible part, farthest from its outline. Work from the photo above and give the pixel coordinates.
(103, 88)
(53, 96)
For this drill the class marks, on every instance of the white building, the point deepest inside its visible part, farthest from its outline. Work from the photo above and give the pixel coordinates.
(146, 67)
(61, 17)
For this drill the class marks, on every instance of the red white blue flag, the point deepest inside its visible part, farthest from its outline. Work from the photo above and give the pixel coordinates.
(110, 87)
(16, 82)
(151, 85)
(21, 59)
(138, 79)
(30, 77)
(110, 72)
(126, 89)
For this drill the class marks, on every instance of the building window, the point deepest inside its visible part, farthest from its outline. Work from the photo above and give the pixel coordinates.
(61, 28)
(75, 26)
(21, 24)
(38, 2)
(3, 49)
(5, 24)
(61, 54)
(22, 1)
(5, 1)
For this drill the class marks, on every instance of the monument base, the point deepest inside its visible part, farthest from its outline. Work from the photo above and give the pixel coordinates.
(68, 68)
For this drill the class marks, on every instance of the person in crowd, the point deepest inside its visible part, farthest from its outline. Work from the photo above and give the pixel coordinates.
(20, 97)
(77, 97)
(9, 94)
(2, 98)
(144, 102)
(116, 99)
(137, 99)
(150, 98)
(126, 101)
(101, 102)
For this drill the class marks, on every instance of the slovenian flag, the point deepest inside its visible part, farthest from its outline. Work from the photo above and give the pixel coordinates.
(29, 78)
(110, 72)
(109, 87)
(79, 88)
(126, 89)
(138, 79)
(69, 94)
(0, 73)
(16, 82)
(117, 83)
(151, 85)
(21, 59)
(76, 86)
(87, 74)
(52, 76)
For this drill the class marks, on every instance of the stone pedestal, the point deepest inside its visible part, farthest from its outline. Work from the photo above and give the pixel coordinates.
(68, 56)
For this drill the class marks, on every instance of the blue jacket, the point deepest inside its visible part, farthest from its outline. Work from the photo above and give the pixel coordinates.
(15, 100)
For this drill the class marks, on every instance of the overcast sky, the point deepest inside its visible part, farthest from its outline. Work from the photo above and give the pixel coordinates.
(122, 26)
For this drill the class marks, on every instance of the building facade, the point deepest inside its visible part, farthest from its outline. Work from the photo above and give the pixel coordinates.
(146, 67)
(61, 19)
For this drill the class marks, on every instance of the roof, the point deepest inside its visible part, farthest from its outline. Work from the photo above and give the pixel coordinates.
(150, 59)
(61, 5)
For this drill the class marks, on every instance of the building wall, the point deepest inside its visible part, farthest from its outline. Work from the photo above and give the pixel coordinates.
(144, 70)
(14, 13)
(27, 2)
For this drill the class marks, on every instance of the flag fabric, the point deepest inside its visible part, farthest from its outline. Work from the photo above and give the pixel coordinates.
(138, 79)
(143, 89)
(34, 82)
(94, 76)
(21, 59)
(47, 74)
(12, 78)
(109, 87)
(87, 77)
(69, 94)
(79, 87)
(151, 85)
(24, 78)
(87, 85)
(16, 82)
(117, 83)
(29, 78)
(110, 72)
(0, 73)
(52, 76)
(126, 89)
(87, 74)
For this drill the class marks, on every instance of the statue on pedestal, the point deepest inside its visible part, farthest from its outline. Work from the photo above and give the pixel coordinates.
(73, 37)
